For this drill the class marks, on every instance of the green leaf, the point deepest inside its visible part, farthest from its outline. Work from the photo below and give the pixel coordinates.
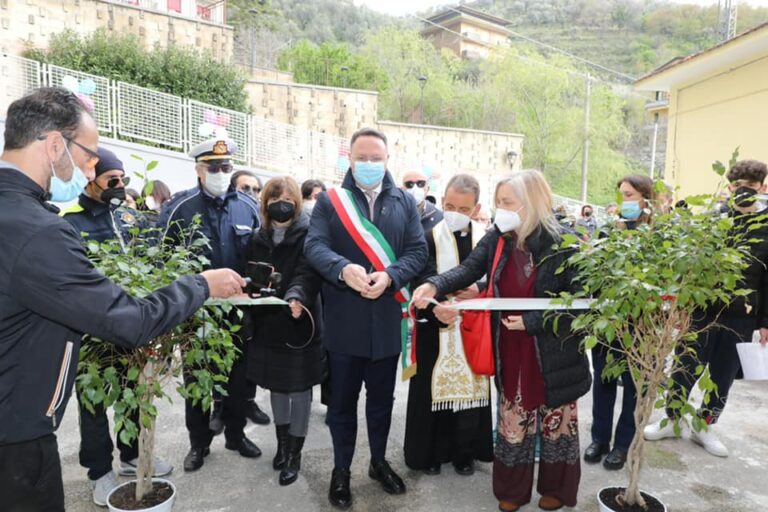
(133, 373)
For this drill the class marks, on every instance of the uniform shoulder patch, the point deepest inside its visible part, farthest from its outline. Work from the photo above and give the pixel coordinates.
(75, 208)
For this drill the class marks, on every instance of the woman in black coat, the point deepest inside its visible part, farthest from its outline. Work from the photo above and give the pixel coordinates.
(540, 371)
(285, 354)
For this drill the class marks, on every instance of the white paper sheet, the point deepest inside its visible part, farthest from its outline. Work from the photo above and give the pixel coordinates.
(247, 301)
(500, 304)
(754, 360)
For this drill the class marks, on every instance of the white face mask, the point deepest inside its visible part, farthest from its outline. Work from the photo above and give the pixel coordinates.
(507, 220)
(419, 194)
(217, 183)
(456, 221)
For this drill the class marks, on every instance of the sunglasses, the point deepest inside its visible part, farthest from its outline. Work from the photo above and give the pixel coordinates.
(217, 168)
(114, 182)
(420, 184)
(94, 156)
(250, 190)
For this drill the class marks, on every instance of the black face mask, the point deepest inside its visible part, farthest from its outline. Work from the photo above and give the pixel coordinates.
(281, 211)
(744, 197)
(113, 196)
(587, 213)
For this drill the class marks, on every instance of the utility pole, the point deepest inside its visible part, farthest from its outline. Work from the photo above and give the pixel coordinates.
(727, 10)
(585, 152)
(653, 143)
(422, 82)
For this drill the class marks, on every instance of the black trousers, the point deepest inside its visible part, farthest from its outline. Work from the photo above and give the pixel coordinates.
(96, 442)
(238, 389)
(347, 376)
(604, 401)
(717, 348)
(30, 476)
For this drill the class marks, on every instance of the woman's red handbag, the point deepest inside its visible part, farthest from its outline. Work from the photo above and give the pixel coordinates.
(476, 328)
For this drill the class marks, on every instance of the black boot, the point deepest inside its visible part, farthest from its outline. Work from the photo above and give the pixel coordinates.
(290, 471)
(282, 447)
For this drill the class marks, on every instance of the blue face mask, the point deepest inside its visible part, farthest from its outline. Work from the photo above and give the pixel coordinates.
(65, 191)
(631, 210)
(368, 174)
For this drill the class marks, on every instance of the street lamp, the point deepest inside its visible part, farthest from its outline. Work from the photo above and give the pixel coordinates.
(345, 74)
(511, 158)
(422, 82)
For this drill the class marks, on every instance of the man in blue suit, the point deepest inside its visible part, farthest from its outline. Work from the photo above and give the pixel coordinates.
(366, 240)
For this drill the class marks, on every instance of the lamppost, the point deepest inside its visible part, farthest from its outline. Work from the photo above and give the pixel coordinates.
(422, 82)
(345, 74)
(511, 158)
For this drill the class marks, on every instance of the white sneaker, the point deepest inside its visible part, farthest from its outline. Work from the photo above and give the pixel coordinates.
(709, 441)
(655, 432)
(162, 468)
(102, 487)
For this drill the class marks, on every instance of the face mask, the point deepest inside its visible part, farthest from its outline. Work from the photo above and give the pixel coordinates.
(64, 191)
(150, 203)
(113, 196)
(744, 197)
(507, 220)
(281, 211)
(368, 174)
(419, 194)
(587, 214)
(631, 210)
(309, 205)
(456, 221)
(217, 183)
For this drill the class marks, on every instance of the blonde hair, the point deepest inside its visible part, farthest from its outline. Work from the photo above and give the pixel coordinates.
(532, 190)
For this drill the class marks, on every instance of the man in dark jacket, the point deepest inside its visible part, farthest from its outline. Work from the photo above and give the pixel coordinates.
(362, 314)
(99, 216)
(716, 346)
(50, 293)
(227, 219)
(416, 184)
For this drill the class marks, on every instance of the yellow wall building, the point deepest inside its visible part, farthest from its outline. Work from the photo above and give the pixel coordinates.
(468, 33)
(718, 100)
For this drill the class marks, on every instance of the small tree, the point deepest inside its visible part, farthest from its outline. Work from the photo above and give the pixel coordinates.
(131, 381)
(647, 283)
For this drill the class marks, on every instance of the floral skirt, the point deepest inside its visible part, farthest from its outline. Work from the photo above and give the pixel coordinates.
(559, 466)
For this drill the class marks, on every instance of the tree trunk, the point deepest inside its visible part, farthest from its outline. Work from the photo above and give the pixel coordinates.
(145, 468)
(646, 398)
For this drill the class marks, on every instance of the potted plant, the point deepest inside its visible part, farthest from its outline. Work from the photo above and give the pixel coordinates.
(647, 283)
(136, 380)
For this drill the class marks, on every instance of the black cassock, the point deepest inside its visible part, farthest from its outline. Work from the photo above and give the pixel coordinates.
(437, 437)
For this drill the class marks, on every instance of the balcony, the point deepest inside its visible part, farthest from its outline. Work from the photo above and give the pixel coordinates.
(211, 11)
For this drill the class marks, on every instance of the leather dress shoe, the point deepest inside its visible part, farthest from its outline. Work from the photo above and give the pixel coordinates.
(339, 494)
(390, 482)
(595, 451)
(508, 506)
(550, 503)
(194, 459)
(615, 460)
(432, 470)
(245, 447)
(256, 415)
(464, 467)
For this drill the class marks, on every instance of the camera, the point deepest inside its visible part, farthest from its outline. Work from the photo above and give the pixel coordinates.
(262, 279)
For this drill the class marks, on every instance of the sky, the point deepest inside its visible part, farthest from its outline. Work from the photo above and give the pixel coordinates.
(401, 7)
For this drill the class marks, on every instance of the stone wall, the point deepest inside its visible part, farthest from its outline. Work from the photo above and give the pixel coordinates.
(35, 21)
(324, 109)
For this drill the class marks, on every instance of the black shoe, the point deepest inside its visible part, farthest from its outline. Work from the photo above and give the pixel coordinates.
(194, 459)
(282, 447)
(390, 482)
(432, 470)
(216, 423)
(464, 467)
(290, 471)
(615, 460)
(339, 494)
(595, 451)
(245, 446)
(256, 415)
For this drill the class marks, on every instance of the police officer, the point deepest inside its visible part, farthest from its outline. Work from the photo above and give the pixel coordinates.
(416, 184)
(100, 216)
(228, 218)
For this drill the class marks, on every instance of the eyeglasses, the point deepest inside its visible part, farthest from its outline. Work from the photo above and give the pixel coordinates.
(419, 183)
(94, 156)
(250, 190)
(217, 168)
(113, 182)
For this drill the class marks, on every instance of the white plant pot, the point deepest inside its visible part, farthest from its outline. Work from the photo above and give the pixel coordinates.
(165, 506)
(606, 508)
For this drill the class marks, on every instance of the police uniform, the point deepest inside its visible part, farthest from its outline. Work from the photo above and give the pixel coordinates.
(100, 221)
(227, 222)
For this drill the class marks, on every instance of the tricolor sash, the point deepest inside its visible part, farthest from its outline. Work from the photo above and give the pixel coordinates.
(454, 386)
(379, 253)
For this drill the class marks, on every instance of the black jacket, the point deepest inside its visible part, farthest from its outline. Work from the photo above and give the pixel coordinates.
(50, 295)
(357, 326)
(755, 276)
(430, 217)
(101, 221)
(272, 333)
(563, 364)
